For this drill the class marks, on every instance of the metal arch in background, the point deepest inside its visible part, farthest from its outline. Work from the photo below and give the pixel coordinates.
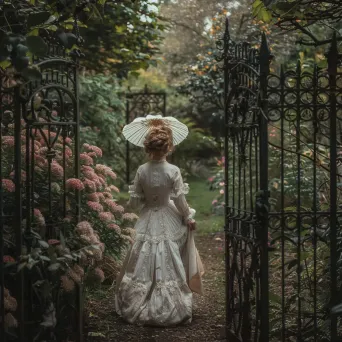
(244, 70)
(140, 104)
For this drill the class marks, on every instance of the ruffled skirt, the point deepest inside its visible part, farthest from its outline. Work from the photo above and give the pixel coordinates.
(160, 272)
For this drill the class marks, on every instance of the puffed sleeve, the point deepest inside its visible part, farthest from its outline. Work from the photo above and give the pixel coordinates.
(136, 193)
(179, 190)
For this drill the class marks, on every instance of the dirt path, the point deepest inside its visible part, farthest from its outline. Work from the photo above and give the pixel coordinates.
(208, 310)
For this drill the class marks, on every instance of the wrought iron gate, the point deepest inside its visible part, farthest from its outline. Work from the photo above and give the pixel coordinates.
(246, 177)
(283, 140)
(39, 140)
(138, 105)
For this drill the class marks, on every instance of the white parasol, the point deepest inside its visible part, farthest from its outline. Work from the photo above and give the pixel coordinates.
(137, 130)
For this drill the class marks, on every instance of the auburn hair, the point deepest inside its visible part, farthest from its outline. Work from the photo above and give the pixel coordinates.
(159, 141)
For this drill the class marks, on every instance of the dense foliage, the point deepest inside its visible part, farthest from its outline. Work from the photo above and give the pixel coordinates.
(314, 20)
(102, 119)
(28, 27)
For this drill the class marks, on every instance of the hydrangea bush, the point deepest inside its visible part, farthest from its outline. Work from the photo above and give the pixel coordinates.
(65, 253)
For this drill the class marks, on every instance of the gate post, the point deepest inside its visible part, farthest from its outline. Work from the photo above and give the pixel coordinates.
(262, 205)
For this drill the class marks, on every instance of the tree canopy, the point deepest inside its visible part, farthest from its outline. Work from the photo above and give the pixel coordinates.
(116, 36)
(315, 19)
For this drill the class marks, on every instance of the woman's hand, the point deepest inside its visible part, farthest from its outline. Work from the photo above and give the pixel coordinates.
(191, 224)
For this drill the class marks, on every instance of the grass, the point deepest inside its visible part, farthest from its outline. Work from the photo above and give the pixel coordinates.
(199, 198)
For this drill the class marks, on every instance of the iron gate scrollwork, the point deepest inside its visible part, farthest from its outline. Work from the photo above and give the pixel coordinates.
(246, 176)
(283, 147)
(141, 104)
(39, 152)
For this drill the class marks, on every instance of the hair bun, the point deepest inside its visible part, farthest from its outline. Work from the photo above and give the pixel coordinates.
(158, 140)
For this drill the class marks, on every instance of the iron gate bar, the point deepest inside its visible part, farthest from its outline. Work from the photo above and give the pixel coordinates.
(332, 70)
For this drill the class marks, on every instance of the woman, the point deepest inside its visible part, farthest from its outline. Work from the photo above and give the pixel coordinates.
(163, 267)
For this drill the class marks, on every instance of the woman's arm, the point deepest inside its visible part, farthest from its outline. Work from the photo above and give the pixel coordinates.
(180, 189)
(136, 193)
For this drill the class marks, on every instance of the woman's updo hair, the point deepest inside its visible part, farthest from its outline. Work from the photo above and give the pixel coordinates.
(159, 141)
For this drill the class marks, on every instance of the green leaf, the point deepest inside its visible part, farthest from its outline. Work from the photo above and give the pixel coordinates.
(5, 64)
(337, 309)
(43, 244)
(37, 45)
(21, 50)
(32, 74)
(274, 298)
(37, 18)
(54, 267)
(45, 258)
(21, 63)
(21, 266)
(62, 239)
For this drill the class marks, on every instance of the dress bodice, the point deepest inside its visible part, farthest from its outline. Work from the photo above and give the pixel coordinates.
(156, 183)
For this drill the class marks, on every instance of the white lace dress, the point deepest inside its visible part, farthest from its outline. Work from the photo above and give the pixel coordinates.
(163, 267)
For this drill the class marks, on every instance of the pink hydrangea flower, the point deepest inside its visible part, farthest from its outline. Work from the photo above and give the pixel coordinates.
(95, 206)
(107, 195)
(8, 259)
(84, 227)
(221, 192)
(94, 239)
(111, 205)
(39, 217)
(95, 149)
(111, 174)
(86, 238)
(99, 274)
(92, 154)
(114, 188)
(214, 202)
(74, 184)
(99, 168)
(67, 284)
(129, 217)
(53, 242)
(56, 169)
(115, 227)
(93, 197)
(106, 216)
(89, 185)
(221, 183)
(8, 185)
(118, 209)
(86, 146)
(101, 196)
(40, 161)
(87, 168)
(8, 141)
(90, 175)
(85, 159)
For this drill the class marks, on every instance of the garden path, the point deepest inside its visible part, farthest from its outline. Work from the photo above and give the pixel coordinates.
(105, 325)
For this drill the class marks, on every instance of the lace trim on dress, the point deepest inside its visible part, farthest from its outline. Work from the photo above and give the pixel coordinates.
(183, 190)
(161, 237)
